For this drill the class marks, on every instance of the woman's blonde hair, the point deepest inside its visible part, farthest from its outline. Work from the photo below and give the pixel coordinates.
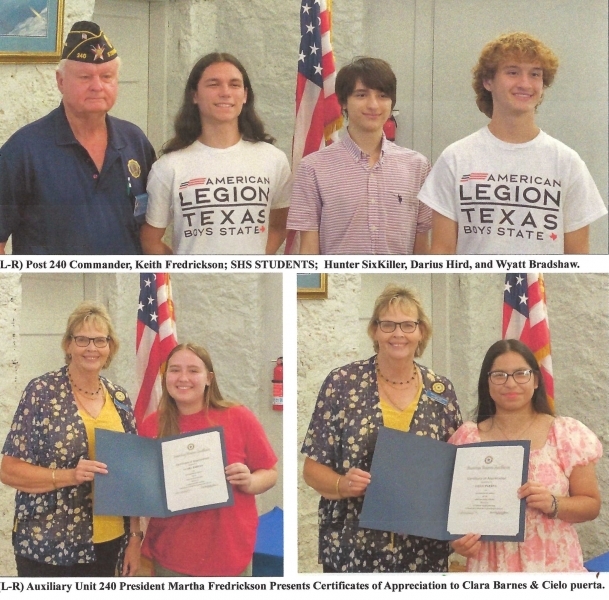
(400, 297)
(518, 45)
(169, 415)
(93, 314)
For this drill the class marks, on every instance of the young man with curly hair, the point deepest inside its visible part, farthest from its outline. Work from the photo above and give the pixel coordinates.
(510, 188)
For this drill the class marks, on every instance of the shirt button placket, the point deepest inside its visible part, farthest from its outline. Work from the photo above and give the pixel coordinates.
(373, 209)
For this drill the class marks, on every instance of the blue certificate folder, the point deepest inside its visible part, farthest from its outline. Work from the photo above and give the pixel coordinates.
(135, 483)
(410, 487)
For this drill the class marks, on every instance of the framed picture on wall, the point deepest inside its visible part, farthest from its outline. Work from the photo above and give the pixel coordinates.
(312, 286)
(31, 31)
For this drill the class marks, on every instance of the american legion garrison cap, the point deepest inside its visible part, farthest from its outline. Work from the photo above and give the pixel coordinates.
(86, 42)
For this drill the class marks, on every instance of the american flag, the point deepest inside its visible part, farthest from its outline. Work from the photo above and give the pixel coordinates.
(318, 113)
(199, 181)
(471, 176)
(156, 337)
(525, 318)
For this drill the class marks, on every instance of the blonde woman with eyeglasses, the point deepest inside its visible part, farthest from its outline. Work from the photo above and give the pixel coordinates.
(562, 488)
(49, 458)
(389, 389)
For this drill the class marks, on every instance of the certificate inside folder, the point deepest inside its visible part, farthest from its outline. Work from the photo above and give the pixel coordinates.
(161, 478)
(420, 486)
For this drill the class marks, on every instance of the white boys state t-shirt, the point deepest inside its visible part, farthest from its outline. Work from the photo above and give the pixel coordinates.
(512, 198)
(218, 199)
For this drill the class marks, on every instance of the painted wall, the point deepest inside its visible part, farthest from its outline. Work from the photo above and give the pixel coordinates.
(466, 315)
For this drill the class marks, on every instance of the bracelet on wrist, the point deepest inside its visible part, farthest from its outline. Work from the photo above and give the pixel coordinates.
(554, 512)
(53, 478)
(337, 483)
(137, 534)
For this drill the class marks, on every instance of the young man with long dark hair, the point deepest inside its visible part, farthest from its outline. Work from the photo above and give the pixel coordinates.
(220, 180)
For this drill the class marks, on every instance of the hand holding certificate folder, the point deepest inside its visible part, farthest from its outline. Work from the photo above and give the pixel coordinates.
(424, 487)
(161, 478)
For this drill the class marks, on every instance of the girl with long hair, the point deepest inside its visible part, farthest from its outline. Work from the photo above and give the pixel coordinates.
(215, 542)
(562, 488)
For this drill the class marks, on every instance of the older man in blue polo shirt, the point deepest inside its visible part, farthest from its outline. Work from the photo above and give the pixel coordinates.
(69, 181)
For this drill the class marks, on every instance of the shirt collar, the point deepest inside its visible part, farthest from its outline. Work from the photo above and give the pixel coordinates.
(65, 136)
(357, 153)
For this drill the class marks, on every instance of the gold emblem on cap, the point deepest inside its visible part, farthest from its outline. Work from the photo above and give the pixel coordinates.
(134, 168)
(438, 387)
(98, 51)
(119, 396)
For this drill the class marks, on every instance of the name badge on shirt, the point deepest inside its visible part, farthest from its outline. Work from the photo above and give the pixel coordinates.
(117, 401)
(139, 208)
(432, 396)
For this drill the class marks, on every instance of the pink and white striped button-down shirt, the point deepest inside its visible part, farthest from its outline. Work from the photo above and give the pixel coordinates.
(360, 209)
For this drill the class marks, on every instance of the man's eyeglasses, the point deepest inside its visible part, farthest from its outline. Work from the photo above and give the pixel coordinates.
(405, 326)
(83, 341)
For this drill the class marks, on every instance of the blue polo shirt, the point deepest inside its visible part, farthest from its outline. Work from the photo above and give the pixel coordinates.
(53, 200)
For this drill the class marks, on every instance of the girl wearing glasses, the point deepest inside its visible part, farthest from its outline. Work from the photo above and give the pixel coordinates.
(49, 457)
(562, 488)
(388, 389)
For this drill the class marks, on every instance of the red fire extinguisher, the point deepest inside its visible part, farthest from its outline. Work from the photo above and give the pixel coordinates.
(278, 385)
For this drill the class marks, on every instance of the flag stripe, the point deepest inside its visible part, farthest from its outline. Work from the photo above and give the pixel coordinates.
(155, 338)
(525, 318)
(304, 118)
(318, 114)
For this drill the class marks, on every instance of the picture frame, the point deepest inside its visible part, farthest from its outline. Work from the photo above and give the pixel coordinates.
(31, 31)
(312, 286)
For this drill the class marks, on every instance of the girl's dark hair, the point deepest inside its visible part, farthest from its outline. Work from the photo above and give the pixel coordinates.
(187, 124)
(486, 405)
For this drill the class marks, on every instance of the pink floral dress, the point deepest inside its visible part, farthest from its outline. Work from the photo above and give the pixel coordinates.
(549, 544)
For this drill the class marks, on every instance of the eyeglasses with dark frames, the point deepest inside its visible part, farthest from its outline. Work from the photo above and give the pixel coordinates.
(83, 341)
(520, 376)
(405, 326)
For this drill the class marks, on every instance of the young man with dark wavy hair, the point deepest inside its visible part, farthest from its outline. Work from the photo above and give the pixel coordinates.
(510, 188)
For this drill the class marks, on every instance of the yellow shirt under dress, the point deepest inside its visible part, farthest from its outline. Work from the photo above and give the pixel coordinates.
(105, 527)
(400, 419)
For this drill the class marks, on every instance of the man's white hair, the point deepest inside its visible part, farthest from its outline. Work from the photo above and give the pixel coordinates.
(61, 67)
